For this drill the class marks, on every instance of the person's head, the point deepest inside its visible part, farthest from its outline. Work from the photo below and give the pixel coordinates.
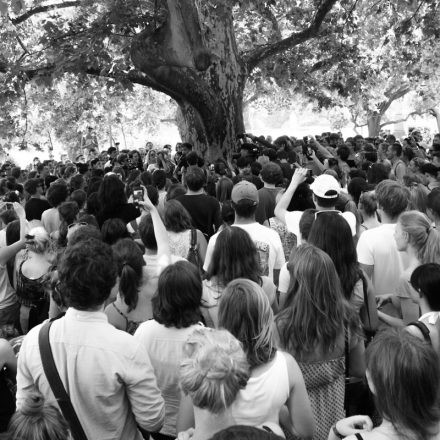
(433, 204)
(355, 188)
(111, 193)
(175, 190)
(234, 256)
(38, 240)
(114, 229)
(77, 182)
(377, 173)
(79, 197)
(223, 189)
(87, 274)
(418, 197)
(37, 420)
(34, 187)
(129, 262)
(57, 193)
(175, 217)
(306, 222)
(392, 198)
(186, 147)
(245, 311)
(332, 234)
(146, 232)
(245, 199)
(425, 279)
(395, 151)
(326, 190)
(271, 173)
(214, 371)
(7, 216)
(13, 232)
(244, 432)
(182, 310)
(315, 309)
(343, 152)
(195, 178)
(80, 232)
(368, 204)
(411, 405)
(414, 229)
(430, 171)
(159, 179)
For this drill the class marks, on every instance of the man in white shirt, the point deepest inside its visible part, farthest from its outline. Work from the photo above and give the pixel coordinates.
(244, 202)
(377, 249)
(106, 372)
(325, 189)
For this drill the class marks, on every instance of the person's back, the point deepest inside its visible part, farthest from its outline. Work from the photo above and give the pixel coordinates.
(106, 372)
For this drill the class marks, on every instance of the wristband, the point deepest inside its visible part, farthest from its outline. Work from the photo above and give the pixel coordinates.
(337, 433)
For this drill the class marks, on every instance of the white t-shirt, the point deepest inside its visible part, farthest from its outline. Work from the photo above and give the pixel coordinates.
(293, 218)
(268, 244)
(377, 247)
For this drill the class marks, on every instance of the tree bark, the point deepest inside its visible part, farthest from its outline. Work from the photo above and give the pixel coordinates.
(373, 123)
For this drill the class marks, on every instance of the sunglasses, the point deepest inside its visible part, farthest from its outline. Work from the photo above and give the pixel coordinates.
(77, 224)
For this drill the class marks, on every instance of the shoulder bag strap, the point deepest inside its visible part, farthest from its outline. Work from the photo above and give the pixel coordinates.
(51, 372)
(424, 330)
(193, 238)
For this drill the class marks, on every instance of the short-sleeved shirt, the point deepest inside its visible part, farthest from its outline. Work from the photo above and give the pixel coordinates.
(267, 242)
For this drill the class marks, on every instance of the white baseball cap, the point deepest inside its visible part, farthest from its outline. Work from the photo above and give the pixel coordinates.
(326, 187)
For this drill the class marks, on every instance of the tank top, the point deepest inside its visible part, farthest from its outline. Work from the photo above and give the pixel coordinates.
(179, 242)
(260, 402)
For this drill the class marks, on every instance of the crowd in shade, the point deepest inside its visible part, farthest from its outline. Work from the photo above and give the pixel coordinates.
(291, 291)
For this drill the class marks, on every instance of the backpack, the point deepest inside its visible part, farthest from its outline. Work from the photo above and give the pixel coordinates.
(193, 253)
(368, 312)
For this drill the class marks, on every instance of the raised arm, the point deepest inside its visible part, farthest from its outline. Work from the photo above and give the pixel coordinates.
(10, 251)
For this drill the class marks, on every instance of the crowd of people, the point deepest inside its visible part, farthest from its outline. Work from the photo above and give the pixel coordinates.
(291, 291)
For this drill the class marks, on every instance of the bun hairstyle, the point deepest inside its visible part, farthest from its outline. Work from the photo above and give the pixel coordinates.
(215, 370)
(36, 420)
(38, 240)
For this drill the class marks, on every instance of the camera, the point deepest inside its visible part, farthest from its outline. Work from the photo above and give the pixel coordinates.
(138, 194)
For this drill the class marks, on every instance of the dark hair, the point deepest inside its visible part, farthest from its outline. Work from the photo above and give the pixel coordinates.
(325, 203)
(270, 153)
(153, 194)
(31, 185)
(57, 193)
(175, 217)
(85, 233)
(355, 188)
(12, 232)
(114, 229)
(271, 173)
(332, 234)
(234, 256)
(93, 204)
(111, 194)
(306, 222)
(68, 213)
(426, 280)
(224, 189)
(377, 173)
(182, 310)
(343, 152)
(434, 201)
(79, 196)
(227, 213)
(175, 190)
(129, 262)
(76, 182)
(302, 199)
(159, 179)
(242, 432)
(94, 184)
(146, 178)
(87, 274)
(256, 168)
(393, 357)
(195, 178)
(245, 208)
(429, 168)
(242, 162)
(397, 148)
(392, 197)
(146, 232)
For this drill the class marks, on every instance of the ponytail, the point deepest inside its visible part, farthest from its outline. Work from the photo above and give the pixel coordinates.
(430, 251)
(129, 282)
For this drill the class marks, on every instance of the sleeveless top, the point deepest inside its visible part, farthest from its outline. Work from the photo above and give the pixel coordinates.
(179, 242)
(325, 383)
(260, 402)
(131, 326)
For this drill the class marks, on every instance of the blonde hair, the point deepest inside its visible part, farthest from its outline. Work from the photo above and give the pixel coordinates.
(245, 311)
(36, 420)
(215, 370)
(38, 240)
(421, 235)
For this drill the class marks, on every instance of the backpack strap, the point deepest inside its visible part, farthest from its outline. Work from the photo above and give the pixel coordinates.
(55, 383)
(193, 243)
(358, 436)
(424, 330)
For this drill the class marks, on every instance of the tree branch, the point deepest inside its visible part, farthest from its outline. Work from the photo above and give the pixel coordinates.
(268, 50)
(44, 8)
(397, 121)
(399, 93)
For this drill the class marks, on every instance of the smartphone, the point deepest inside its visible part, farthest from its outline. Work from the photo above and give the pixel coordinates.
(138, 194)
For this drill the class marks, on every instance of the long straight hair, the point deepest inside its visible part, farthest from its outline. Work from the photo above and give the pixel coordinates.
(316, 312)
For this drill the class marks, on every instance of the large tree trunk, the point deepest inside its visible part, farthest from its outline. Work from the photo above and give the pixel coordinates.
(192, 56)
(373, 123)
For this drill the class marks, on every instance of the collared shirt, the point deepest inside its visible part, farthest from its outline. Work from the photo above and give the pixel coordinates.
(106, 372)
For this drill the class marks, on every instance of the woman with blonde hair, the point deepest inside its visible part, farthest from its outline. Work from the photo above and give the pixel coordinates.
(318, 327)
(276, 379)
(211, 376)
(31, 268)
(416, 237)
(37, 420)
